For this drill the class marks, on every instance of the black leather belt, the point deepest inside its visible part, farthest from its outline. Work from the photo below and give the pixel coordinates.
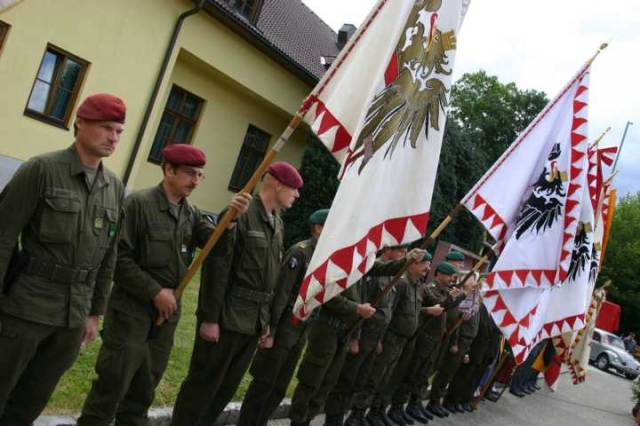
(60, 273)
(250, 295)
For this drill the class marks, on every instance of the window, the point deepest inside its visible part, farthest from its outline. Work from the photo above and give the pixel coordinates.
(56, 87)
(4, 30)
(178, 121)
(251, 154)
(596, 336)
(250, 9)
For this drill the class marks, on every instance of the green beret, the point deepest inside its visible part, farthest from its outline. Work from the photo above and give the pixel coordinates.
(446, 268)
(319, 217)
(427, 257)
(454, 255)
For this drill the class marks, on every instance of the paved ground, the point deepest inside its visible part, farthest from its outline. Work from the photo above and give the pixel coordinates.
(604, 400)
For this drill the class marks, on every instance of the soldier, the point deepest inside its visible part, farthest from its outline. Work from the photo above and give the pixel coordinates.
(160, 232)
(417, 362)
(458, 345)
(276, 360)
(407, 305)
(364, 348)
(234, 301)
(64, 207)
(326, 349)
(481, 354)
(456, 259)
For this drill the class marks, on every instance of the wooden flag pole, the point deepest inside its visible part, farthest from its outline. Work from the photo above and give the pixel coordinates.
(597, 141)
(447, 220)
(503, 358)
(230, 214)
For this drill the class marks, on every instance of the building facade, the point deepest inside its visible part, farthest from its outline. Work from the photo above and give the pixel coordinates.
(223, 75)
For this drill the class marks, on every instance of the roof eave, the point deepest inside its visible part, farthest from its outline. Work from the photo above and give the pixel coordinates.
(248, 33)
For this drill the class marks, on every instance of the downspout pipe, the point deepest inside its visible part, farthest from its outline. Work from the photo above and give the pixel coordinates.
(156, 88)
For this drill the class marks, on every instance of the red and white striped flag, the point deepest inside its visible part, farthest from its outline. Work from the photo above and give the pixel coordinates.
(535, 202)
(381, 111)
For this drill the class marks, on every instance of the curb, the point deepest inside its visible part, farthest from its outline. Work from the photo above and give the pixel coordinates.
(162, 416)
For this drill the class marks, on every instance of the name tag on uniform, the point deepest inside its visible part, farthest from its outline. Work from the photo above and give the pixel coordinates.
(98, 223)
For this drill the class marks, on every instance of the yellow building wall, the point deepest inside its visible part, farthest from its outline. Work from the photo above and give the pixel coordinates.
(229, 109)
(124, 41)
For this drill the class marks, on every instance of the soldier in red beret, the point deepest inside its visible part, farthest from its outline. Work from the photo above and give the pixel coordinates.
(236, 293)
(160, 232)
(64, 207)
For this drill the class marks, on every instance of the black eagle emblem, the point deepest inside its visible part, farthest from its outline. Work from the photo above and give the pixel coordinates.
(595, 265)
(581, 256)
(544, 207)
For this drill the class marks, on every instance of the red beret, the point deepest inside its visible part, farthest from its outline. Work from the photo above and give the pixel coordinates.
(286, 174)
(184, 154)
(102, 107)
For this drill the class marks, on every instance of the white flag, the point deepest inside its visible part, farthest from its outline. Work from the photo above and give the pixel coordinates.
(381, 110)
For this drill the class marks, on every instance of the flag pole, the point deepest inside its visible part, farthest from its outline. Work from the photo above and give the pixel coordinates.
(597, 141)
(503, 358)
(230, 214)
(624, 136)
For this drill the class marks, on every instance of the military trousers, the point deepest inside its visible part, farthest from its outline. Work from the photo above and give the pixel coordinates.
(319, 370)
(379, 386)
(215, 373)
(129, 368)
(33, 358)
(421, 367)
(448, 367)
(465, 382)
(272, 371)
(354, 374)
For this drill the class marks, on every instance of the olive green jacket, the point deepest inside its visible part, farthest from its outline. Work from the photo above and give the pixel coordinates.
(292, 273)
(237, 284)
(406, 308)
(156, 248)
(68, 231)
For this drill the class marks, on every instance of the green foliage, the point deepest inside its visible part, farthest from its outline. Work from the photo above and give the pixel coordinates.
(622, 261)
(319, 171)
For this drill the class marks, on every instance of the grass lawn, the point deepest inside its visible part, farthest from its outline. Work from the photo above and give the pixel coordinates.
(74, 386)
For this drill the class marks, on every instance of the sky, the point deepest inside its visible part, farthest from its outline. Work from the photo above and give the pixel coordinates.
(541, 45)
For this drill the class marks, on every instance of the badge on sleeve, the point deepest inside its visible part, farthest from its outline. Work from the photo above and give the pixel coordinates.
(293, 263)
(98, 223)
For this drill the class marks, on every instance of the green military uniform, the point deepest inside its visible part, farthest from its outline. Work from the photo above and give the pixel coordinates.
(68, 227)
(417, 361)
(156, 246)
(327, 349)
(272, 369)
(235, 292)
(404, 323)
(462, 338)
(357, 368)
(481, 354)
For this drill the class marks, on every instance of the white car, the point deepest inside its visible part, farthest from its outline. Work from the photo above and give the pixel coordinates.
(608, 351)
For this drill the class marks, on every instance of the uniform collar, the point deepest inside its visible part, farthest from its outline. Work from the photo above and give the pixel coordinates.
(164, 204)
(261, 209)
(76, 167)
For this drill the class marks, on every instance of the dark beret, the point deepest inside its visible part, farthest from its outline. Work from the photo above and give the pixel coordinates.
(184, 154)
(319, 217)
(454, 255)
(102, 107)
(286, 174)
(446, 268)
(427, 257)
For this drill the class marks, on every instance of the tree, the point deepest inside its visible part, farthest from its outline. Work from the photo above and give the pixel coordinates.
(319, 171)
(622, 261)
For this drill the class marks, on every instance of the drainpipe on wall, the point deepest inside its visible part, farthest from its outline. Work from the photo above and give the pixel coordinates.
(156, 88)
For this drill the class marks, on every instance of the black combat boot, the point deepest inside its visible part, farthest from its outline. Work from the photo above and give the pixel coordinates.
(414, 411)
(356, 418)
(374, 418)
(395, 414)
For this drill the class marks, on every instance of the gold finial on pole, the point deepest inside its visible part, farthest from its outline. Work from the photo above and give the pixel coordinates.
(600, 49)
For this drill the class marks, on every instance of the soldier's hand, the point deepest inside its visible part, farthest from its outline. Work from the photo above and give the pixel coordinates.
(266, 343)
(354, 347)
(241, 202)
(210, 331)
(90, 329)
(379, 348)
(365, 310)
(454, 292)
(453, 349)
(435, 311)
(165, 302)
(415, 255)
(466, 359)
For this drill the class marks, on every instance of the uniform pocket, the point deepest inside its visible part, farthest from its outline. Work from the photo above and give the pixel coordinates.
(255, 253)
(59, 220)
(159, 248)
